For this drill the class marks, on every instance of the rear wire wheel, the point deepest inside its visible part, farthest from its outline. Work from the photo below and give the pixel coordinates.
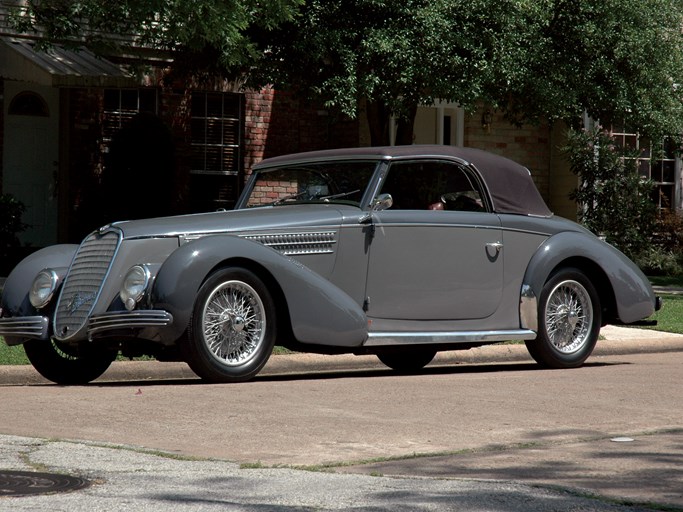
(569, 320)
(232, 329)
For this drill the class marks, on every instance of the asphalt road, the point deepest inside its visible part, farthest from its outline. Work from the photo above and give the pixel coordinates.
(494, 433)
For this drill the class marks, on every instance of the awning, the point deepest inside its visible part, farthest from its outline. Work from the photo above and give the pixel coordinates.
(59, 67)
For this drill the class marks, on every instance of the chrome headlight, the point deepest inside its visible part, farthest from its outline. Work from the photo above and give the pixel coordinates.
(134, 286)
(43, 288)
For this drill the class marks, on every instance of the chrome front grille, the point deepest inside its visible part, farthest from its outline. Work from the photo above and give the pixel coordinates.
(83, 283)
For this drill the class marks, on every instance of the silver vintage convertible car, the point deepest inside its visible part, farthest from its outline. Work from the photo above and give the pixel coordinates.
(398, 251)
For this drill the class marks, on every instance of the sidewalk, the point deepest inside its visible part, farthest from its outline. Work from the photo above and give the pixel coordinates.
(615, 340)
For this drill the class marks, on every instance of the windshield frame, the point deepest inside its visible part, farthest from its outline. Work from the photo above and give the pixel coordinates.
(318, 167)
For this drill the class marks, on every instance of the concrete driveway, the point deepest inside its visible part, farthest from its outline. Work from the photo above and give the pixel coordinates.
(476, 431)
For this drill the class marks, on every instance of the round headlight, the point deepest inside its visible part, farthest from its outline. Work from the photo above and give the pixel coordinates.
(134, 286)
(43, 288)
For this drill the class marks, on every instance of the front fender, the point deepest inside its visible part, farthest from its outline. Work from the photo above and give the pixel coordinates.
(320, 313)
(18, 284)
(634, 298)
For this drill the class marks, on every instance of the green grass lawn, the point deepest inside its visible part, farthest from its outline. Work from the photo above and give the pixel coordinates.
(12, 355)
(670, 317)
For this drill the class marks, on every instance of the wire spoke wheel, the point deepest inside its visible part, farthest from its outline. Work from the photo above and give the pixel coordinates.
(568, 316)
(232, 329)
(233, 323)
(569, 320)
(66, 364)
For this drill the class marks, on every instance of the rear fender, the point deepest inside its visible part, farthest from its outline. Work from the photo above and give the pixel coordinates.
(320, 312)
(634, 298)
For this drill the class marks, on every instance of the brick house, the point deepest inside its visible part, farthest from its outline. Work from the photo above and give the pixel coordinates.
(83, 142)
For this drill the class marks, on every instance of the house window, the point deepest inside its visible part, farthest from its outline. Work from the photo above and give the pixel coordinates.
(662, 167)
(120, 105)
(216, 133)
(216, 150)
(28, 103)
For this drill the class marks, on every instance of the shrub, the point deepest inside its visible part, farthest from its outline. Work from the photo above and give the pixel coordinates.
(664, 257)
(656, 261)
(614, 199)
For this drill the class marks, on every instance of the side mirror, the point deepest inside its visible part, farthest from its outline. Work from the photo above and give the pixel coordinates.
(382, 202)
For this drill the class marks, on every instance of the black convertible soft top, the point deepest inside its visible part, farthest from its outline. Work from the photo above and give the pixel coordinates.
(510, 185)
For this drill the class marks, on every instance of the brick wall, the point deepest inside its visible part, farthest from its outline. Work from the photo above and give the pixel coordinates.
(278, 123)
(527, 145)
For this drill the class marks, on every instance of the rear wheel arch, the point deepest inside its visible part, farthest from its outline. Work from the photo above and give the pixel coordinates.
(597, 276)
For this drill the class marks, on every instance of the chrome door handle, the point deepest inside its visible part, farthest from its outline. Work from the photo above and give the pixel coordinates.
(498, 246)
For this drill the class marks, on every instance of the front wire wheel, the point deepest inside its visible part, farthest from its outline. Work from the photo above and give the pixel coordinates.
(232, 329)
(67, 365)
(569, 321)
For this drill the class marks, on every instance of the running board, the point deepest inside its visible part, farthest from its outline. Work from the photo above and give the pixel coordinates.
(377, 339)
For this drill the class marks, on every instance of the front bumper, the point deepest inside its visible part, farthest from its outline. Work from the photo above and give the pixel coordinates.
(25, 327)
(20, 329)
(105, 323)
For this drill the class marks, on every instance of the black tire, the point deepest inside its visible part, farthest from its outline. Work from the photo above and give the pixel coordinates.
(407, 361)
(569, 320)
(232, 329)
(66, 364)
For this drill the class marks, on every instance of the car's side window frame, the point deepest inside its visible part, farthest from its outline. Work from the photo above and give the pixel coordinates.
(475, 182)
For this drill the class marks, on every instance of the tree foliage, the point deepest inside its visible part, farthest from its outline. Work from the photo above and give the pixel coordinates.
(531, 59)
(607, 57)
(212, 35)
(393, 55)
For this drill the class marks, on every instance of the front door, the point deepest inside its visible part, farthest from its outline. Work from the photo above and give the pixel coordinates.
(436, 253)
(30, 157)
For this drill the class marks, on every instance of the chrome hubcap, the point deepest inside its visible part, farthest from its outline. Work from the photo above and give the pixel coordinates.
(233, 323)
(569, 316)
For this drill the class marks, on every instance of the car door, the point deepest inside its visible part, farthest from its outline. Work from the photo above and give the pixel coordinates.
(436, 253)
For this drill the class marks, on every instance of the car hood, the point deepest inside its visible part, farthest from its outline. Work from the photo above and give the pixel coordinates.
(254, 219)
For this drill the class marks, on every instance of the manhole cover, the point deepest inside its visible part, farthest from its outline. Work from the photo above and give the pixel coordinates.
(24, 483)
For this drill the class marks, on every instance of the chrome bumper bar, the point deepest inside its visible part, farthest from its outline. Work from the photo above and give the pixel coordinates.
(25, 327)
(128, 320)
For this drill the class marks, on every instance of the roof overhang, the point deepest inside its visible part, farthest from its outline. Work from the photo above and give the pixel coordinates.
(59, 67)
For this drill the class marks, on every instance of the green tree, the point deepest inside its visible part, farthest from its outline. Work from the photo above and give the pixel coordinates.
(606, 57)
(532, 59)
(391, 55)
(200, 35)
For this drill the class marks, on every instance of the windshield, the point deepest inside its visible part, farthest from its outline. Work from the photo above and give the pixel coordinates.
(339, 182)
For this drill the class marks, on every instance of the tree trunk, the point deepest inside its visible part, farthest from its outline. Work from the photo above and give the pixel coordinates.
(405, 126)
(378, 122)
(379, 118)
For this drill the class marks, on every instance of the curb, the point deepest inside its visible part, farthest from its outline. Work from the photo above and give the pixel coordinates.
(619, 341)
